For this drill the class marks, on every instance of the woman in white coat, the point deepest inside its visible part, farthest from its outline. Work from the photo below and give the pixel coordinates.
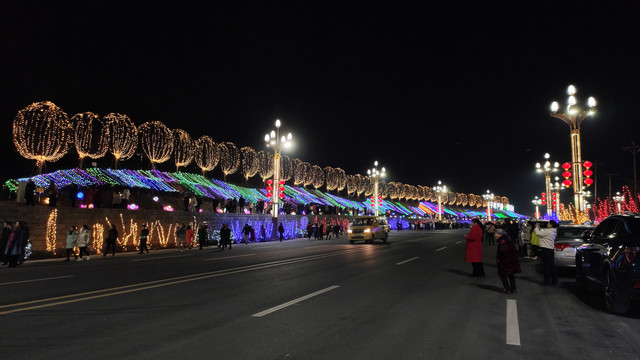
(547, 238)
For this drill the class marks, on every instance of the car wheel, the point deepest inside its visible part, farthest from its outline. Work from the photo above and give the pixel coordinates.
(614, 300)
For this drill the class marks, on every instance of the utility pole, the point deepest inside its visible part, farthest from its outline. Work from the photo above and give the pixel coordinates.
(634, 150)
(595, 180)
(610, 175)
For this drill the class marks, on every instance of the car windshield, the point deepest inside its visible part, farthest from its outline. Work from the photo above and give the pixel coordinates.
(572, 232)
(362, 222)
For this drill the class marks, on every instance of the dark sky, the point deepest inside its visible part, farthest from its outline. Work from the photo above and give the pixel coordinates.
(458, 93)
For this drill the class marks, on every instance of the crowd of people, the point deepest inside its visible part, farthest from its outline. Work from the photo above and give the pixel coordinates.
(512, 238)
(13, 243)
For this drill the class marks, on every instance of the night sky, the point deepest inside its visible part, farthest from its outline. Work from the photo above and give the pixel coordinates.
(458, 93)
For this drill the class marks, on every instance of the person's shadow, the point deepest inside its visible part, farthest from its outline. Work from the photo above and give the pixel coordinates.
(489, 287)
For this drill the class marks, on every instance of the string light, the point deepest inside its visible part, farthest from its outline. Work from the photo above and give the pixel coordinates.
(91, 136)
(41, 132)
(250, 162)
(352, 184)
(331, 178)
(123, 136)
(98, 237)
(342, 179)
(207, 154)
(308, 174)
(50, 236)
(286, 168)
(318, 177)
(184, 148)
(156, 140)
(229, 158)
(265, 163)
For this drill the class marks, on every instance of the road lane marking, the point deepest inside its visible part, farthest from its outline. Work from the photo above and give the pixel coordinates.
(458, 242)
(162, 257)
(442, 248)
(513, 330)
(294, 301)
(228, 257)
(43, 279)
(406, 261)
(96, 294)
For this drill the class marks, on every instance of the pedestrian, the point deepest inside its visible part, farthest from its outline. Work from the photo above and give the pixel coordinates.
(490, 230)
(72, 241)
(115, 199)
(535, 243)
(321, 231)
(507, 259)
(12, 250)
(263, 232)
(97, 198)
(309, 230)
(526, 237)
(473, 252)
(547, 238)
(124, 198)
(4, 240)
(84, 240)
(188, 238)
(112, 237)
(253, 234)
(144, 236)
(203, 236)
(225, 236)
(52, 192)
(281, 231)
(181, 235)
(24, 239)
(246, 231)
(30, 192)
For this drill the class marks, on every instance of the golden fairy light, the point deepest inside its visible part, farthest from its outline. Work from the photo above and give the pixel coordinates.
(472, 200)
(352, 184)
(286, 168)
(98, 237)
(50, 235)
(331, 178)
(318, 177)
(123, 238)
(91, 136)
(361, 182)
(156, 140)
(207, 153)
(41, 132)
(250, 162)
(342, 179)
(229, 158)
(383, 188)
(308, 174)
(265, 164)
(184, 148)
(369, 184)
(301, 171)
(123, 136)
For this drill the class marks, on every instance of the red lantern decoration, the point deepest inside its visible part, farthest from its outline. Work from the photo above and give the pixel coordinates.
(566, 166)
(567, 183)
(587, 164)
(269, 195)
(269, 182)
(566, 174)
(588, 181)
(588, 173)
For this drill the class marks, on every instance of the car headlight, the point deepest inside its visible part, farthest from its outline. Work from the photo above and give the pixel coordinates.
(367, 230)
(349, 231)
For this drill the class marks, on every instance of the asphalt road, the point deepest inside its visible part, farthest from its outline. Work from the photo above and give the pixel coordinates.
(303, 299)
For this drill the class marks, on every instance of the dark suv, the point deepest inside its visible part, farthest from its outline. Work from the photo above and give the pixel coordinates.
(608, 259)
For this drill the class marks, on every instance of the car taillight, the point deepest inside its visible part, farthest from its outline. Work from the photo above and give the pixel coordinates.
(561, 246)
(630, 253)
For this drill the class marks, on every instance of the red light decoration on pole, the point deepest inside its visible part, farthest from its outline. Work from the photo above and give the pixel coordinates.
(269, 189)
(566, 174)
(544, 198)
(281, 189)
(587, 173)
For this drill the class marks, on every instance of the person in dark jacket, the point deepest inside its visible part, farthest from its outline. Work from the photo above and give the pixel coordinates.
(30, 192)
(24, 239)
(112, 236)
(225, 236)
(12, 251)
(4, 240)
(281, 231)
(203, 236)
(144, 235)
(508, 262)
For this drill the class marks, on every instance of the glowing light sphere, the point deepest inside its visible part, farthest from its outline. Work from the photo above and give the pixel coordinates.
(250, 162)
(452, 198)
(318, 177)
(331, 178)
(156, 140)
(265, 159)
(123, 136)
(184, 149)
(360, 184)
(308, 175)
(91, 135)
(352, 184)
(207, 154)
(286, 168)
(41, 132)
(383, 188)
(229, 158)
(342, 179)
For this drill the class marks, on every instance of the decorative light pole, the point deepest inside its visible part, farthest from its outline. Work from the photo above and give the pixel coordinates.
(488, 197)
(537, 202)
(619, 199)
(547, 169)
(274, 141)
(556, 187)
(440, 189)
(574, 116)
(375, 174)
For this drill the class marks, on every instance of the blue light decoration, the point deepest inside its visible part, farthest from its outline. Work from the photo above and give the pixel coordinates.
(80, 195)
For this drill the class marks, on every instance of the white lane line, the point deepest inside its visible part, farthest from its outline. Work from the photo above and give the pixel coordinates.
(458, 242)
(228, 257)
(294, 301)
(442, 248)
(513, 330)
(160, 257)
(406, 261)
(43, 279)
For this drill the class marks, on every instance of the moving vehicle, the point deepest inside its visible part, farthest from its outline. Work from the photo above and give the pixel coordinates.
(610, 259)
(568, 238)
(368, 228)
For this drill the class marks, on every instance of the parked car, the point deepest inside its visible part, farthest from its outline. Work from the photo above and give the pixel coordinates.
(568, 239)
(608, 260)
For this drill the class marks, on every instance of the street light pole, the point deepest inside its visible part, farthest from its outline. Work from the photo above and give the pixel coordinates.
(556, 188)
(574, 117)
(537, 202)
(547, 169)
(274, 141)
(440, 189)
(489, 198)
(619, 199)
(375, 174)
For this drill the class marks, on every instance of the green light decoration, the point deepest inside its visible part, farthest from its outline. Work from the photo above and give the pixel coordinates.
(123, 136)
(184, 148)
(156, 140)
